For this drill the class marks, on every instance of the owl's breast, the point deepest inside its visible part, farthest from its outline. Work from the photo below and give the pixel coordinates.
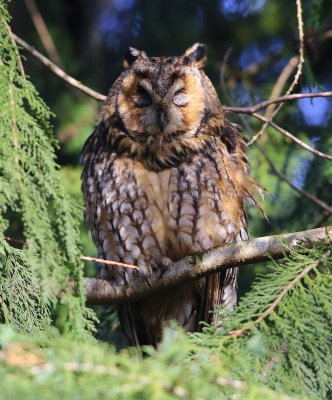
(194, 207)
(143, 217)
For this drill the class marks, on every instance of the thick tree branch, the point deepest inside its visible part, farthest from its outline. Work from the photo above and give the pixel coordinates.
(191, 268)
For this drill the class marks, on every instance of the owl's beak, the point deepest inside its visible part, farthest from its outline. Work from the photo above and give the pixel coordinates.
(161, 122)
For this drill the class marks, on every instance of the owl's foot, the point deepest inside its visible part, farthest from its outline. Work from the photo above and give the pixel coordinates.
(164, 265)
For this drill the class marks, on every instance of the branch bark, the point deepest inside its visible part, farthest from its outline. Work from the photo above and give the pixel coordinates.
(191, 268)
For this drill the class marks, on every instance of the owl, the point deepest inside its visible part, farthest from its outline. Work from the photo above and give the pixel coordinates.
(165, 175)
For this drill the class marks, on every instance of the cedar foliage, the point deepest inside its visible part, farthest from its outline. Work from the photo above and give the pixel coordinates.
(286, 354)
(32, 279)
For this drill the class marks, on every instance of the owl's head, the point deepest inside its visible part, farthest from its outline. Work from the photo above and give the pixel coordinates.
(159, 99)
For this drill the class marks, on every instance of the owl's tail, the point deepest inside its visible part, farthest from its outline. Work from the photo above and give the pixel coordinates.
(142, 321)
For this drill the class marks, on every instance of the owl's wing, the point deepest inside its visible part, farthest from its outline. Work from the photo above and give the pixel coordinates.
(220, 289)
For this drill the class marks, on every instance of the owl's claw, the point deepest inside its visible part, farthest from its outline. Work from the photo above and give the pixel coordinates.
(164, 265)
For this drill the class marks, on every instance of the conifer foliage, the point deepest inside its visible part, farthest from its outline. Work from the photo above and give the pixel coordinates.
(32, 279)
(281, 332)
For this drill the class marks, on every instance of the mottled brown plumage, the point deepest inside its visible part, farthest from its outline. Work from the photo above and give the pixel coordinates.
(165, 175)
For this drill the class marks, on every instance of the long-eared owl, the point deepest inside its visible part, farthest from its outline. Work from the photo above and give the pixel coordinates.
(165, 175)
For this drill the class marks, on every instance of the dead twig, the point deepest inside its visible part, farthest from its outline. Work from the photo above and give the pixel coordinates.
(19, 242)
(292, 137)
(300, 61)
(264, 104)
(58, 71)
(43, 32)
(302, 192)
(108, 262)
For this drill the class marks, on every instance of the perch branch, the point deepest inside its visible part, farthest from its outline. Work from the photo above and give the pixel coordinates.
(191, 268)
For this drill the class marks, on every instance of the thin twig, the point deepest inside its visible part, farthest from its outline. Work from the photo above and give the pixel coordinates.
(42, 30)
(302, 192)
(252, 70)
(298, 72)
(292, 137)
(100, 291)
(83, 258)
(18, 57)
(282, 99)
(323, 218)
(280, 83)
(18, 242)
(108, 262)
(58, 71)
(255, 68)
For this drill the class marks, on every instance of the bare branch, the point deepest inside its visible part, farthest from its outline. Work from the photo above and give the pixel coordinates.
(292, 137)
(277, 89)
(264, 104)
(191, 268)
(281, 82)
(108, 262)
(302, 192)
(42, 30)
(19, 242)
(58, 71)
(299, 60)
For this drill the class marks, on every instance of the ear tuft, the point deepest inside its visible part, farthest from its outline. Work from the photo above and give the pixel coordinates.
(196, 55)
(131, 55)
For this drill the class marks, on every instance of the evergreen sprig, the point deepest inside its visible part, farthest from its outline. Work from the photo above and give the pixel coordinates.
(30, 190)
(281, 332)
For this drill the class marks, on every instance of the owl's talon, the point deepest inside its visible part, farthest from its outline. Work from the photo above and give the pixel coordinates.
(164, 265)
